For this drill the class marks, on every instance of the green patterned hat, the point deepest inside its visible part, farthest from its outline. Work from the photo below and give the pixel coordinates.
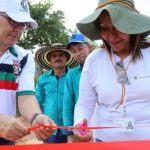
(125, 18)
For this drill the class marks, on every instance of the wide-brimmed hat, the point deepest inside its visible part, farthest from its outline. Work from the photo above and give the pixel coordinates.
(125, 18)
(18, 10)
(77, 38)
(41, 56)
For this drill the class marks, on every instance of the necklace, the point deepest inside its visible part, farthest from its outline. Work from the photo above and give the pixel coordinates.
(121, 73)
(123, 88)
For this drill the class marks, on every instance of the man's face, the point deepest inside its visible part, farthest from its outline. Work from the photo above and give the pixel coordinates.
(9, 34)
(58, 59)
(80, 51)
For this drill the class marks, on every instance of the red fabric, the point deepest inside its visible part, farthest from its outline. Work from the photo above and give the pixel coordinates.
(136, 145)
(8, 85)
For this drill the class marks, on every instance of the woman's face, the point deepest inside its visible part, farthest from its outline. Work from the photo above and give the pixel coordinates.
(118, 41)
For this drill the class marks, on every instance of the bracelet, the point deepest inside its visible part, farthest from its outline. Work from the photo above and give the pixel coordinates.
(34, 116)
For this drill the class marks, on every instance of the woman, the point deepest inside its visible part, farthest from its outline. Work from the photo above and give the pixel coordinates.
(117, 77)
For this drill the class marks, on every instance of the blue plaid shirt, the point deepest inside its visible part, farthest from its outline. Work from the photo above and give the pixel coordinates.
(50, 93)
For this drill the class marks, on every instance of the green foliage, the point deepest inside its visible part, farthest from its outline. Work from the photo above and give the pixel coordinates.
(51, 26)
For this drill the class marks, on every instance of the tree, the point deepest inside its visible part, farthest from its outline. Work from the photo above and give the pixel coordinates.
(51, 27)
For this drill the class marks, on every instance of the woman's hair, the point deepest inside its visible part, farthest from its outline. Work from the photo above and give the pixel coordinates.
(145, 43)
(136, 43)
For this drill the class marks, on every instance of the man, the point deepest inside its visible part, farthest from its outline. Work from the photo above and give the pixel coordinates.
(50, 85)
(79, 48)
(16, 76)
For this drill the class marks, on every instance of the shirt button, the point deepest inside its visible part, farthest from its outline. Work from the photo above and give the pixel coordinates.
(135, 78)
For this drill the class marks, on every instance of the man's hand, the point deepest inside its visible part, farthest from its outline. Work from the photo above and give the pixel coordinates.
(43, 133)
(71, 139)
(12, 129)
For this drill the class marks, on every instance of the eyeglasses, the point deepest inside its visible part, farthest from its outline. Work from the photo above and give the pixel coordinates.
(14, 23)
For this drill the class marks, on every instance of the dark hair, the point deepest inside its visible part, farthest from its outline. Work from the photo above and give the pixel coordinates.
(136, 43)
(145, 43)
(135, 47)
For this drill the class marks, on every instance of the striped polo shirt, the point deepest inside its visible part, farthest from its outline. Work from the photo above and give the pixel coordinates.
(17, 70)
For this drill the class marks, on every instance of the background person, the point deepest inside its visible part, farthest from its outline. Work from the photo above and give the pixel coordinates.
(50, 85)
(79, 48)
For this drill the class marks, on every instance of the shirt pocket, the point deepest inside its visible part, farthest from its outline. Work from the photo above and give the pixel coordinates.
(141, 85)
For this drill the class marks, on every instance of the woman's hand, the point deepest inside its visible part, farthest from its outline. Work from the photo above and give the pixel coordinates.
(82, 134)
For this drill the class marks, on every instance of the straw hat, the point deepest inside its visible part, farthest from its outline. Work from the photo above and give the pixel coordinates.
(42, 53)
(125, 18)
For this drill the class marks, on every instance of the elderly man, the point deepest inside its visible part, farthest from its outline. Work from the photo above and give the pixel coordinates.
(16, 76)
(50, 85)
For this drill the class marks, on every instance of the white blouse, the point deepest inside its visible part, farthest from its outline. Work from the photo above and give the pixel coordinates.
(99, 84)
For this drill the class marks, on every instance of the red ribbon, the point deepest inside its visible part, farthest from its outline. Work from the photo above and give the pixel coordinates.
(71, 128)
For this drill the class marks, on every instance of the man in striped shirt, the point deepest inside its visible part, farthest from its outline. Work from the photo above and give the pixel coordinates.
(17, 76)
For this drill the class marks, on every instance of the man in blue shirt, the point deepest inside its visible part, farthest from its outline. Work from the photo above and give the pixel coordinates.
(50, 85)
(79, 48)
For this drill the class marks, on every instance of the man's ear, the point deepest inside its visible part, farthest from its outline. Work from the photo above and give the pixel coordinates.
(49, 57)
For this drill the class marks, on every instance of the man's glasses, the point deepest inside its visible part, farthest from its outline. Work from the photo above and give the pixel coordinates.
(14, 23)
